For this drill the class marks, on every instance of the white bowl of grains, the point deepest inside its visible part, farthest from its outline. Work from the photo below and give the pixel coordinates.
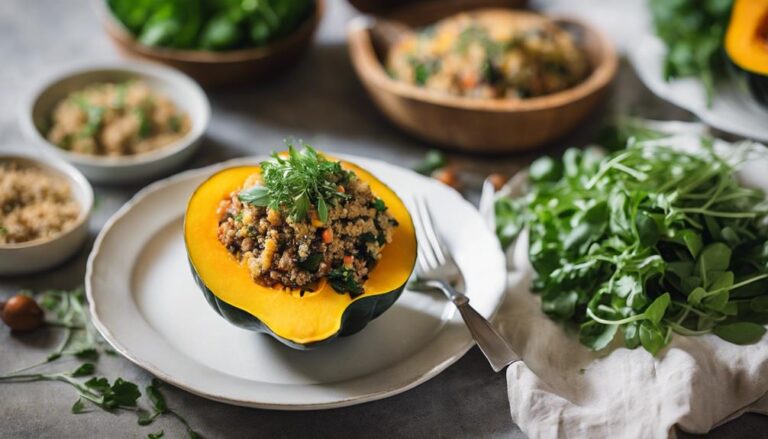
(45, 207)
(118, 122)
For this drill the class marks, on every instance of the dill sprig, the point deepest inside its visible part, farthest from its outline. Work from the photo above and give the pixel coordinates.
(297, 182)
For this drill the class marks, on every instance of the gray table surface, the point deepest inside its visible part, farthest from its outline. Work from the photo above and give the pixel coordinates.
(322, 102)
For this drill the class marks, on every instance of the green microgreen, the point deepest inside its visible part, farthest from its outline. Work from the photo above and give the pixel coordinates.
(299, 181)
(644, 242)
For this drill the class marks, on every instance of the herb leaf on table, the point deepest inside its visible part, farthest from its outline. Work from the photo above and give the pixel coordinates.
(644, 242)
(68, 310)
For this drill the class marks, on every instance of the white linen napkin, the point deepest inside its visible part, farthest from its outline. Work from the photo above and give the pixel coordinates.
(561, 389)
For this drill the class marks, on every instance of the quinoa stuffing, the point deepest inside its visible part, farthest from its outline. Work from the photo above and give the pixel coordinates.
(490, 55)
(33, 204)
(305, 219)
(116, 119)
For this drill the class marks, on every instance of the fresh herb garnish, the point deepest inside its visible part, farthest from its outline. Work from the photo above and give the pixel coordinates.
(312, 263)
(342, 279)
(95, 116)
(379, 205)
(644, 242)
(121, 90)
(297, 182)
(145, 125)
(174, 123)
(433, 160)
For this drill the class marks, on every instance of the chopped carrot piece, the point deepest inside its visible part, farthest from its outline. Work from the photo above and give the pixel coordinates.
(348, 259)
(328, 236)
(341, 189)
(468, 81)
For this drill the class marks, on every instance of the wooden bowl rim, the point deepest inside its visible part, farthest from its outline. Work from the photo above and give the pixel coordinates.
(372, 70)
(117, 30)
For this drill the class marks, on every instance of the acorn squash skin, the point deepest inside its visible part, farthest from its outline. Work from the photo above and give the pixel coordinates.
(341, 315)
(746, 45)
(355, 317)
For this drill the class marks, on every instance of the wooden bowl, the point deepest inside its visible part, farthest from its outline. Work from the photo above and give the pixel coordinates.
(481, 125)
(226, 68)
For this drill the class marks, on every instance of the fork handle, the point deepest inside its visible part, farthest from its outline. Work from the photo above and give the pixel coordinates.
(490, 342)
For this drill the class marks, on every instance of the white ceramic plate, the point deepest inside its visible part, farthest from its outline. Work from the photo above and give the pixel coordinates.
(146, 304)
(733, 110)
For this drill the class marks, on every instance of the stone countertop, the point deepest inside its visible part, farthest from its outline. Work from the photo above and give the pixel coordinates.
(322, 102)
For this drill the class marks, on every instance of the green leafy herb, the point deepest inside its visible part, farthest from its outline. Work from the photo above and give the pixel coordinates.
(211, 25)
(174, 123)
(157, 435)
(145, 125)
(433, 160)
(693, 32)
(379, 205)
(78, 407)
(342, 279)
(66, 310)
(298, 181)
(312, 263)
(95, 117)
(644, 242)
(121, 90)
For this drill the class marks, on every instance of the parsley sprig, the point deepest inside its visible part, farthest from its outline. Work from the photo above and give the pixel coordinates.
(297, 182)
(67, 310)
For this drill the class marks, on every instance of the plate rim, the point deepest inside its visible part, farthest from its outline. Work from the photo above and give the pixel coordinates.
(155, 370)
(646, 41)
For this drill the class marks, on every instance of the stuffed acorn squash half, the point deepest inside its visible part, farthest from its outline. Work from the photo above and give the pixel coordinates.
(302, 247)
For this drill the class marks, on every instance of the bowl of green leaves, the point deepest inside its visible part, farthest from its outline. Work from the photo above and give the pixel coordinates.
(662, 237)
(217, 42)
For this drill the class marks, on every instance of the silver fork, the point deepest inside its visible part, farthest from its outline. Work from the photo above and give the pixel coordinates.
(436, 269)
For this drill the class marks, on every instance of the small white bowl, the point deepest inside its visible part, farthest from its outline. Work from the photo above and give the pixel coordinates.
(185, 93)
(43, 253)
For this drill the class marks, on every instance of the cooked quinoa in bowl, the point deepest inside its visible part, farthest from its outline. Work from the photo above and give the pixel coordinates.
(116, 119)
(490, 55)
(34, 204)
(304, 220)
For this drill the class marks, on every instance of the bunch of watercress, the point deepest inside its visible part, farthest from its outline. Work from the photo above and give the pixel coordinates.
(693, 31)
(644, 242)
